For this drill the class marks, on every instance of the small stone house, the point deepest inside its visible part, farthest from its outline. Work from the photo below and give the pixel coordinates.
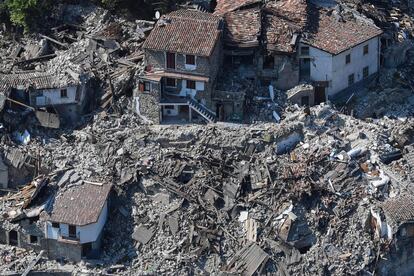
(73, 227)
(182, 58)
(65, 95)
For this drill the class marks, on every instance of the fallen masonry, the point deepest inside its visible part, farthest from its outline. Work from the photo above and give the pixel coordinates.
(91, 186)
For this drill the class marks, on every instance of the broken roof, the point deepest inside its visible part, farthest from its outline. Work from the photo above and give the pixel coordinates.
(79, 204)
(225, 6)
(36, 80)
(333, 33)
(185, 31)
(284, 19)
(399, 210)
(243, 27)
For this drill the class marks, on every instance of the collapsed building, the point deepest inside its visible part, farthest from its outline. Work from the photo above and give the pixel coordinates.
(275, 45)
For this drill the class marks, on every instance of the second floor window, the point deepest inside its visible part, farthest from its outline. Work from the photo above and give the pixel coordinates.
(170, 61)
(170, 82)
(348, 59)
(191, 84)
(190, 60)
(72, 231)
(366, 49)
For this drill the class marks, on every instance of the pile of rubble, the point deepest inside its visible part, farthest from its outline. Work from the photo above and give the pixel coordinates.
(281, 198)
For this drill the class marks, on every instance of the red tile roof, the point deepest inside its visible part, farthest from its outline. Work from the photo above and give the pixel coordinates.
(399, 209)
(226, 6)
(80, 205)
(334, 33)
(187, 32)
(243, 27)
(284, 19)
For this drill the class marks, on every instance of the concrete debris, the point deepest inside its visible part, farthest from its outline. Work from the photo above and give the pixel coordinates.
(306, 188)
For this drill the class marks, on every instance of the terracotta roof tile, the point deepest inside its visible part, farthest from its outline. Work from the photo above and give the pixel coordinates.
(283, 20)
(187, 32)
(399, 209)
(225, 6)
(334, 33)
(243, 27)
(80, 205)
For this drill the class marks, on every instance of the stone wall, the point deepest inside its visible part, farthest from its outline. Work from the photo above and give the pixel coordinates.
(146, 104)
(62, 250)
(285, 72)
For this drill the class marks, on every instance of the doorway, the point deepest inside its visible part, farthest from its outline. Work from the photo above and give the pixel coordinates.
(320, 96)
(13, 238)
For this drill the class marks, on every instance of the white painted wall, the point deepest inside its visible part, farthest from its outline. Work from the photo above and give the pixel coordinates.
(341, 70)
(53, 96)
(326, 67)
(90, 232)
(87, 233)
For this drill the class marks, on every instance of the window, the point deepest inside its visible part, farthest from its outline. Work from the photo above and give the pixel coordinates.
(72, 231)
(170, 107)
(351, 79)
(366, 49)
(191, 84)
(170, 60)
(147, 86)
(269, 62)
(55, 224)
(304, 51)
(13, 238)
(365, 72)
(170, 82)
(33, 239)
(190, 59)
(63, 93)
(348, 59)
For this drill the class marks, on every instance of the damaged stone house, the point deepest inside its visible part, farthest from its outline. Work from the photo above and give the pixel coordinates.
(201, 64)
(65, 95)
(337, 51)
(183, 56)
(65, 224)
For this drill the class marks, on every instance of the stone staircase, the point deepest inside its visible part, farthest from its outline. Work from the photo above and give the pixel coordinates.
(202, 110)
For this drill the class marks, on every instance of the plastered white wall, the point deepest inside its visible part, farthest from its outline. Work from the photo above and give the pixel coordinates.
(87, 233)
(53, 96)
(326, 67)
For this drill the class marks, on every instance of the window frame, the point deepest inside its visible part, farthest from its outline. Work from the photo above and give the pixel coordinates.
(365, 50)
(70, 234)
(351, 76)
(348, 59)
(168, 58)
(147, 86)
(190, 56)
(192, 87)
(64, 93)
(365, 70)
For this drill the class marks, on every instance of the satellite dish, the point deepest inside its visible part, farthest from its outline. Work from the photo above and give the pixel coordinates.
(157, 15)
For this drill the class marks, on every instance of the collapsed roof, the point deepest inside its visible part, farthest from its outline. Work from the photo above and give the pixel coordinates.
(399, 210)
(185, 31)
(284, 21)
(333, 32)
(36, 80)
(242, 22)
